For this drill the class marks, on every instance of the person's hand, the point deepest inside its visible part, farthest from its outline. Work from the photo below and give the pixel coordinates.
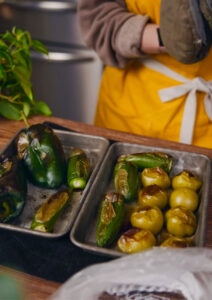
(150, 40)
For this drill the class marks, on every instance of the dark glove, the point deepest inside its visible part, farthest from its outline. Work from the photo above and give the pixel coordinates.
(184, 31)
(206, 9)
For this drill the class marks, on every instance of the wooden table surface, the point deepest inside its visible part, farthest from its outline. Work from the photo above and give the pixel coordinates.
(36, 288)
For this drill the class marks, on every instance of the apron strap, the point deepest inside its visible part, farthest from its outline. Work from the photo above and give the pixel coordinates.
(189, 88)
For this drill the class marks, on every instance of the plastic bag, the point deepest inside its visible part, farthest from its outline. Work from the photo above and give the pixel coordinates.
(146, 275)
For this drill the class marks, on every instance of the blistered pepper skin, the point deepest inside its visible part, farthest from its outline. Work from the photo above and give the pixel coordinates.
(150, 160)
(47, 215)
(110, 219)
(43, 156)
(126, 180)
(13, 188)
(78, 169)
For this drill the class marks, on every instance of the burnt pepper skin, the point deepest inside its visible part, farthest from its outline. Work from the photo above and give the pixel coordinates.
(13, 188)
(126, 180)
(43, 156)
(47, 215)
(78, 169)
(110, 219)
(149, 160)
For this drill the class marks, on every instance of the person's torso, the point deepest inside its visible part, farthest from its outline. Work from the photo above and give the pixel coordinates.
(129, 98)
(152, 9)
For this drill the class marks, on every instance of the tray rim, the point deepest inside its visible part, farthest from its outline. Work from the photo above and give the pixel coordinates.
(114, 253)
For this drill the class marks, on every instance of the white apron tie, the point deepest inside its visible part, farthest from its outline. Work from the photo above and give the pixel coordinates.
(189, 87)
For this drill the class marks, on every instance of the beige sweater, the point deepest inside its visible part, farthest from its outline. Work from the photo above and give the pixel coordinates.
(109, 29)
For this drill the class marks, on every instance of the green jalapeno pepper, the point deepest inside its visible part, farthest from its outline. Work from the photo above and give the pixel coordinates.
(126, 180)
(78, 169)
(110, 219)
(43, 156)
(47, 215)
(13, 188)
(149, 160)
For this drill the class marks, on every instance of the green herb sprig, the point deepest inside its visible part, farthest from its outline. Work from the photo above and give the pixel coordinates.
(17, 101)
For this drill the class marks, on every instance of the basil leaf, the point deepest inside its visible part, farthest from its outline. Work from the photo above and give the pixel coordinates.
(41, 107)
(3, 75)
(22, 75)
(38, 46)
(26, 108)
(6, 59)
(15, 75)
(10, 110)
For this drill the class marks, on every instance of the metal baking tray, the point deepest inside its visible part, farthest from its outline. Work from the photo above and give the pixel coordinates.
(83, 233)
(95, 148)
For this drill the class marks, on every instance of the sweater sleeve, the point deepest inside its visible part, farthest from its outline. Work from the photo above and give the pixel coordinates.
(113, 32)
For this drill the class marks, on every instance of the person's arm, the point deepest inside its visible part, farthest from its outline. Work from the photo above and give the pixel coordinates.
(109, 29)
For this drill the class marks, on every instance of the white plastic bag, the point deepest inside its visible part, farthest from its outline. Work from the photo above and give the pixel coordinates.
(185, 271)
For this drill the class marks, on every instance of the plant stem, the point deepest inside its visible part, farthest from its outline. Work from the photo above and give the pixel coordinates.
(25, 119)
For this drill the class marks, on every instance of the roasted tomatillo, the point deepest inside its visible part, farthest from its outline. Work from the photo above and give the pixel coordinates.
(135, 240)
(43, 156)
(156, 175)
(186, 180)
(180, 221)
(176, 242)
(153, 195)
(184, 197)
(13, 188)
(149, 218)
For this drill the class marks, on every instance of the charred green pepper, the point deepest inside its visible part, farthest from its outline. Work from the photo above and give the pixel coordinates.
(43, 156)
(149, 160)
(47, 215)
(126, 180)
(13, 188)
(78, 169)
(110, 219)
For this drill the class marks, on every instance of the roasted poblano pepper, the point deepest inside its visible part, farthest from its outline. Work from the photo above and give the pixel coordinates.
(78, 169)
(126, 180)
(149, 160)
(110, 219)
(47, 215)
(13, 188)
(43, 156)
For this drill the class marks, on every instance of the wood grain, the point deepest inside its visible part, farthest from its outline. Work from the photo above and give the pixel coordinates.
(11, 127)
(37, 288)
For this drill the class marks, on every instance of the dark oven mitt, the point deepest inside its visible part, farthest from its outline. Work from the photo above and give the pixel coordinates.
(184, 31)
(206, 9)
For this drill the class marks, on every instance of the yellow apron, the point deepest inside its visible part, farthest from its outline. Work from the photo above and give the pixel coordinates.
(129, 98)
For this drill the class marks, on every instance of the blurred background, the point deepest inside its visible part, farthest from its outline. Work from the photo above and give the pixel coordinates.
(68, 79)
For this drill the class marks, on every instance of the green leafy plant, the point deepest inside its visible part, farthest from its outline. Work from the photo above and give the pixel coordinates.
(17, 101)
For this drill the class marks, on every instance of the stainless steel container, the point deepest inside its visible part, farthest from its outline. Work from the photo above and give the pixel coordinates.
(68, 79)
(95, 148)
(49, 21)
(83, 233)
